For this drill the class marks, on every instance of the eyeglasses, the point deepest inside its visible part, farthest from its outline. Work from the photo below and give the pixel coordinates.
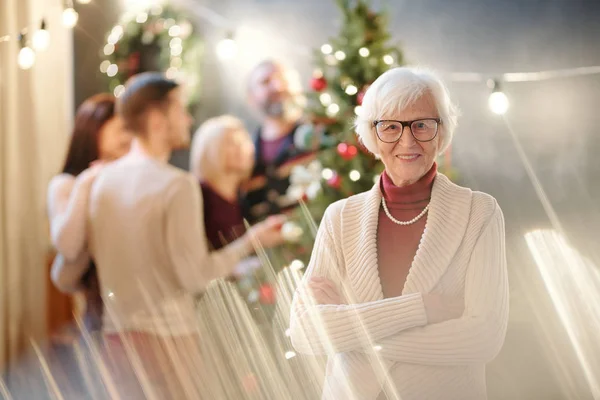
(423, 130)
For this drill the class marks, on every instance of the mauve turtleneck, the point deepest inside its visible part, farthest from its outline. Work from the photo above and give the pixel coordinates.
(397, 244)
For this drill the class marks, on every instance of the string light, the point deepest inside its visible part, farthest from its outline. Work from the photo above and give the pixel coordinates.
(109, 48)
(358, 110)
(41, 38)
(26, 57)
(141, 18)
(326, 49)
(389, 60)
(340, 55)
(364, 52)
(119, 90)
(333, 109)
(351, 90)
(175, 31)
(227, 48)
(69, 15)
(498, 102)
(104, 66)
(327, 174)
(325, 99)
(112, 70)
(354, 175)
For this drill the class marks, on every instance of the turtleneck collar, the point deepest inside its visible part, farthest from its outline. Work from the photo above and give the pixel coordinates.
(418, 191)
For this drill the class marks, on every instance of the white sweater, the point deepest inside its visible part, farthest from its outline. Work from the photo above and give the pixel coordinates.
(151, 252)
(377, 344)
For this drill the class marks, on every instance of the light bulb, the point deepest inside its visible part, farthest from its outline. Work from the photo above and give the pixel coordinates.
(351, 90)
(340, 55)
(175, 30)
(389, 60)
(327, 174)
(104, 66)
(325, 99)
(226, 49)
(26, 57)
(109, 48)
(326, 49)
(354, 175)
(333, 109)
(41, 39)
(364, 52)
(112, 70)
(141, 18)
(119, 90)
(358, 110)
(69, 17)
(498, 103)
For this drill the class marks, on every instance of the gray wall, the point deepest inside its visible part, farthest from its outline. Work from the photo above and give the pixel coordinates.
(556, 122)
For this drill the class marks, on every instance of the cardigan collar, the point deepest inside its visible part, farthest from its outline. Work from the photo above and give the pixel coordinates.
(446, 224)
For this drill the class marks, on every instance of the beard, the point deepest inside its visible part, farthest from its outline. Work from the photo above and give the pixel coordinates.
(280, 108)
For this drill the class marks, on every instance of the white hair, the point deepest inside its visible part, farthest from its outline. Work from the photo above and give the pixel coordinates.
(397, 89)
(205, 151)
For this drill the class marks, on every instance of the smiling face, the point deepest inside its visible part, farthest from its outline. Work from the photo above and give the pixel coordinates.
(407, 160)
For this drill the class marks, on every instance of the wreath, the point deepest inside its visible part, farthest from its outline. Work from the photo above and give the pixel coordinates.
(159, 39)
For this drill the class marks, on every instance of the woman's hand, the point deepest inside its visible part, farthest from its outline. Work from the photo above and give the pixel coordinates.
(268, 232)
(440, 308)
(323, 291)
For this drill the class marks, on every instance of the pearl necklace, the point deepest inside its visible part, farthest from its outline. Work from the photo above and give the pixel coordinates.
(394, 220)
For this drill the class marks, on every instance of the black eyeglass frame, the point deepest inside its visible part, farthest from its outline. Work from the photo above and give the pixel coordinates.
(408, 124)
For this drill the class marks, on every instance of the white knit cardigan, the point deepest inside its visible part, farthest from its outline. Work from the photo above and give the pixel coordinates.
(376, 344)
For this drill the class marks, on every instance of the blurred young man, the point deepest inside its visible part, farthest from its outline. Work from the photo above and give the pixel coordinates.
(149, 242)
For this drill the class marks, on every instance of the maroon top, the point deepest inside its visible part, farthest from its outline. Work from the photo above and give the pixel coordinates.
(223, 219)
(397, 244)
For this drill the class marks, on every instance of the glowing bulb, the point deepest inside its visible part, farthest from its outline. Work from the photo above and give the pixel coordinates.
(104, 66)
(326, 49)
(175, 30)
(119, 90)
(289, 354)
(364, 52)
(340, 55)
(226, 49)
(327, 174)
(498, 103)
(354, 175)
(175, 42)
(41, 38)
(109, 49)
(325, 99)
(351, 90)
(26, 58)
(69, 17)
(141, 18)
(176, 51)
(333, 109)
(358, 110)
(112, 70)
(389, 60)
(117, 30)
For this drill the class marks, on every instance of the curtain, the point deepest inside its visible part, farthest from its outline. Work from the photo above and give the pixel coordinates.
(36, 109)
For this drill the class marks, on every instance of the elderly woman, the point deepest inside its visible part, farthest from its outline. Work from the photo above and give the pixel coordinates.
(407, 289)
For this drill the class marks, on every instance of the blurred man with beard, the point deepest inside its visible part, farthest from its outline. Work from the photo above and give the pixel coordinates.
(274, 93)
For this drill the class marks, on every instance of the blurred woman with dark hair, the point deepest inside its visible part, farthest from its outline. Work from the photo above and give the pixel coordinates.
(98, 136)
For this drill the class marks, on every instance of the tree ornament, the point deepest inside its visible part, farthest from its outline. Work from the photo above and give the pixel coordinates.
(347, 152)
(318, 83)
(335, 181)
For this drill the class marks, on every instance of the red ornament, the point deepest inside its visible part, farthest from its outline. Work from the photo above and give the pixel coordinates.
(318, 83)
(335, 181)
(347, 152)
(267, 294)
